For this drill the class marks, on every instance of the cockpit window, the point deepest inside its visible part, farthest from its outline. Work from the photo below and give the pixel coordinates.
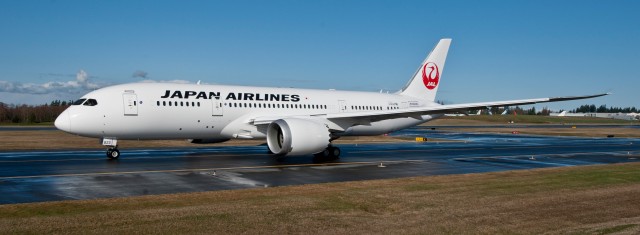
(79, 102)
(91, 102)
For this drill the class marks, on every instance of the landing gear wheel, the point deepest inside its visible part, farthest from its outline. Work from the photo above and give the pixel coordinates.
(329, 154)
(335, 152)
(113, 153)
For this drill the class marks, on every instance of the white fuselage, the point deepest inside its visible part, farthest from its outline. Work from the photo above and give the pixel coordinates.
(192, 111)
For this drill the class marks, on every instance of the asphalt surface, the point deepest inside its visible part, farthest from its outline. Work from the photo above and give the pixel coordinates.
(36, 176)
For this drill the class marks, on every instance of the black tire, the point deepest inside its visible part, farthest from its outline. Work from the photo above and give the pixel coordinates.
(335, 152)
(113, 153)
(329, 154)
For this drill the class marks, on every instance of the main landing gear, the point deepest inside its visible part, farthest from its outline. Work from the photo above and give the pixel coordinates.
(329, 154)
(113, 153)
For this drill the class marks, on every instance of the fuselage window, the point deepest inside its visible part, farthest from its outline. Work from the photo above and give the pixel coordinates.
(164, 103)
(198, 104)
(181, 103)
(169, 103)
(158, 103)
(175, 103)
(187, 103)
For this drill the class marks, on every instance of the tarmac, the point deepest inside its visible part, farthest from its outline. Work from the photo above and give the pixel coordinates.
(38, 176)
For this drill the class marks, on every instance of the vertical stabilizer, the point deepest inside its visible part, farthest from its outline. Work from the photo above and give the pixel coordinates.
(426, 80)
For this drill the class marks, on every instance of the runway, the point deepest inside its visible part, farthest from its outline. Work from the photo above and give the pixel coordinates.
(36, 176)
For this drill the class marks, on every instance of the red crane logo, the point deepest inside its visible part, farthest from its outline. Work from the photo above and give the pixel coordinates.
(432, 77)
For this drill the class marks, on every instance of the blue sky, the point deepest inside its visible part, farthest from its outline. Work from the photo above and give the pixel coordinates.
(501, 50)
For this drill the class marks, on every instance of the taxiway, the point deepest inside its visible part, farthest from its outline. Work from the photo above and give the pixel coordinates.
(35, 176)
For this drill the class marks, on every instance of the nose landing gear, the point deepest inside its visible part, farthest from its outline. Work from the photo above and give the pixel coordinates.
(112, 143)
(113, 153)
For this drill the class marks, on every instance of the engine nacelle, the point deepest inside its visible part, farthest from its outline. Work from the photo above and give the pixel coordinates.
(206, 141)
(297, 136)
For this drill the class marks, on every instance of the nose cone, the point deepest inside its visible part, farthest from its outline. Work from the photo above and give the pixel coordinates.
(63, 122)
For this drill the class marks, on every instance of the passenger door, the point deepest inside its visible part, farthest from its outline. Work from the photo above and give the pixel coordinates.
(130, 102)
(217, 108)
(342, 105)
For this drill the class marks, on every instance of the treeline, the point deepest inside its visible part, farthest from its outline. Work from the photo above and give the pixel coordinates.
(517, 110)
(603, 109)
(17, 114)
(545, 111)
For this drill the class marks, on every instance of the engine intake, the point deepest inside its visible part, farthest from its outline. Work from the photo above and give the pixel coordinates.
(294, 136)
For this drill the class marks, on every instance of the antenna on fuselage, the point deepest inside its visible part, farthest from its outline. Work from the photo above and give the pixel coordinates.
(198, 83)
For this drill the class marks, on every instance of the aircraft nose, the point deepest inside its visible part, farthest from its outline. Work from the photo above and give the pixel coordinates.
(63, 122)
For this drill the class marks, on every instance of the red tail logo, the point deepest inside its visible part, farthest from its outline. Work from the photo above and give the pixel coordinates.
(432, 76)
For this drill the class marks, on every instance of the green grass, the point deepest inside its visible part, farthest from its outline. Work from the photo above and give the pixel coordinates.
(615, 229)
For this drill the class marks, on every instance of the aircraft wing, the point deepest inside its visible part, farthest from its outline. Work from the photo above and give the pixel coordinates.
(417, 111)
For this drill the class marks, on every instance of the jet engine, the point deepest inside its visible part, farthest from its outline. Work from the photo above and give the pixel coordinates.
(294, 136)
(206, 141)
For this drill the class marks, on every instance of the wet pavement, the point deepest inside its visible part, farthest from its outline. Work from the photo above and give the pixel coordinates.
(35, 176)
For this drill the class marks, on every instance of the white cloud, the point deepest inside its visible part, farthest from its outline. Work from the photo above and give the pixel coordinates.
(80, 85)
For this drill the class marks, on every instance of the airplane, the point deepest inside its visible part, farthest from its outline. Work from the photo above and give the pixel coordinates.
(293, 121)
